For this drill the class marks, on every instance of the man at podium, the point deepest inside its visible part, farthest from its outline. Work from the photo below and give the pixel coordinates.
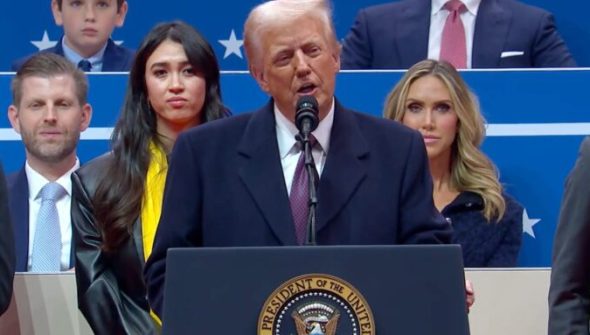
(235, 182)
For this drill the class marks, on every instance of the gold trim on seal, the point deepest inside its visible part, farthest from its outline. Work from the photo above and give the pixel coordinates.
(315, 282)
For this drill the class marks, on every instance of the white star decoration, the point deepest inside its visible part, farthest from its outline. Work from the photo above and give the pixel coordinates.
(528, 224)
(44, 43)
(232, 45)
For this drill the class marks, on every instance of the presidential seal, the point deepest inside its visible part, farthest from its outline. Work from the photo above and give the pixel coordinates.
(316, 304)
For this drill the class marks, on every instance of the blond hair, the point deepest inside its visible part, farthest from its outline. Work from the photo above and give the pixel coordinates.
(276, 13)
(471, 169)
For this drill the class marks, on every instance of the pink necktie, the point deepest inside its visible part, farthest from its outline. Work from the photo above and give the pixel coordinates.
(299, 196)
(452, 47)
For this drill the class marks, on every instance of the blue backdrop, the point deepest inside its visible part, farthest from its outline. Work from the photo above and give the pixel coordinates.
(24, 22)
(537, 120)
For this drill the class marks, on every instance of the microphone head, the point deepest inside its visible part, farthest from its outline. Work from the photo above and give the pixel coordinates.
(306, 113)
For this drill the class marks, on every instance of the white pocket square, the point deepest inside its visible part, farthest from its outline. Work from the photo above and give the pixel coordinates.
(506, 54)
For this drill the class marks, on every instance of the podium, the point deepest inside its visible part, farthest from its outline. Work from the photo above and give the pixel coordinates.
(320, 290)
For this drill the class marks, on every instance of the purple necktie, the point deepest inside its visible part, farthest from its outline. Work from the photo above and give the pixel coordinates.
(299, 196)
(453, 47)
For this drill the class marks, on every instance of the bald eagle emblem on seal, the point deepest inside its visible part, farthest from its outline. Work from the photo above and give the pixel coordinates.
(316, 318)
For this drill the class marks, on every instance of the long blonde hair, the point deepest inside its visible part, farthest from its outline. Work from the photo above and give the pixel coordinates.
(471, 169)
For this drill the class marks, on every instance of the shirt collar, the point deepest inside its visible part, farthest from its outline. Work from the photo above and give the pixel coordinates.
(472, 6)
(37, 181)
(74, 57)
(286, 131)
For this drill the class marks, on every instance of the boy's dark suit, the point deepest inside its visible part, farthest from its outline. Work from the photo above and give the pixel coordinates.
(116, 58)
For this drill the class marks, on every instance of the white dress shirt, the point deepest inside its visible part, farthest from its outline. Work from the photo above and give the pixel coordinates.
(36, 182)
(96, 60)
(438, 16)
(289, 151)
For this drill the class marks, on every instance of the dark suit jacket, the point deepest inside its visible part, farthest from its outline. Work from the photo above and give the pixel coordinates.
(226, 187)
(18, 190)
(116, 58)
(111, 291)
(569, 294)
(6, 247)
(395, 36)
(485, 244)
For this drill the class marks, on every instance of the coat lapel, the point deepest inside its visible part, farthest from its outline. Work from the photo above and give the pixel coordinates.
(345, 166)
(413, 27)
(262, 173)
(491, 32)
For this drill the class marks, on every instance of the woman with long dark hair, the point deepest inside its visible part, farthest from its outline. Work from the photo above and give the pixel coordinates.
(116, 198)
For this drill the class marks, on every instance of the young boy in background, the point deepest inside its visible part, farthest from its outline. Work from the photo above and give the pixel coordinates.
(88, 25)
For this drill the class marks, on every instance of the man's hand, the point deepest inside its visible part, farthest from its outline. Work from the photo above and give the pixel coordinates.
(469, 294)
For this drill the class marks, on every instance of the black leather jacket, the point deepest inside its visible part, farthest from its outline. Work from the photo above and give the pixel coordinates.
(111, 289)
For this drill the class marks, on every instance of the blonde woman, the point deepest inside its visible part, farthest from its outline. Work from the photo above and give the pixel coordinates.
(433, 99)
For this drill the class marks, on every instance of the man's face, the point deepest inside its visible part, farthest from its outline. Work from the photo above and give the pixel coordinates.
(298, 59)
(88, 24)
(49, 118)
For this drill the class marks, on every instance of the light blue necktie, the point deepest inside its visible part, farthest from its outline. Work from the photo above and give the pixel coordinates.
(47, 242)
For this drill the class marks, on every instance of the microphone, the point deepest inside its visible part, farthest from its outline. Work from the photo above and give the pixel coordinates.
(307, 120)
(306, 115)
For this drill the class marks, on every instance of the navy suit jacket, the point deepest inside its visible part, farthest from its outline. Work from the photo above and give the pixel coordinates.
(395, 36)
(6, 247)
(18, 194)
(115, 59)
(225, 187)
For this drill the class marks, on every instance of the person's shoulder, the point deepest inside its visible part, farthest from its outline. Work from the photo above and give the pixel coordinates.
(585, 146)
(386, 10)
(16, 65)
(220, 132)
(520, 8)
(221, 125)
(118, 57)
(508, 198)
(91, 173)
(14, 178)
(121, 50)
(389, 7)
(95, 166)
(514, 209)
